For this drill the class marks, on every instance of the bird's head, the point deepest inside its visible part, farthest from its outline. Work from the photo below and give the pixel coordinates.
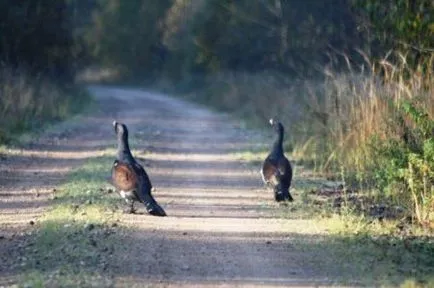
(277, 126)
(120, 129)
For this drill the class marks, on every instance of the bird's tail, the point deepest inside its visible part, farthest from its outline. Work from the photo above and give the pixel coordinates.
(282, 194)
(152, 207)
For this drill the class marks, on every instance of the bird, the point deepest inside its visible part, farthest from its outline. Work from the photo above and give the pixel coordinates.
(130, 178)
(276, 170)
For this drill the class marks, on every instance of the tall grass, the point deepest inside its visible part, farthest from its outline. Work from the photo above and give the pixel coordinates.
(380, 132)
(360, 106)
(28, 102)
(373, 127)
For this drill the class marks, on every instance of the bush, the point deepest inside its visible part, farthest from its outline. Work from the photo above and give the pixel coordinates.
(405, 166)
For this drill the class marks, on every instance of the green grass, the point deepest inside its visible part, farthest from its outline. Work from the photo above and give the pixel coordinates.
(364, 250)
(376, 261)
(387, 251)
(75, 238)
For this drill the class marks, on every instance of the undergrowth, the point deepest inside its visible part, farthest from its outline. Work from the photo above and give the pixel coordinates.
(371, 128)
(27, 102)
(77, 239)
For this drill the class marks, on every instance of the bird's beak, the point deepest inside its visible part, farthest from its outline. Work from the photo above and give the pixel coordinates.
(114, 123)
(271, 121)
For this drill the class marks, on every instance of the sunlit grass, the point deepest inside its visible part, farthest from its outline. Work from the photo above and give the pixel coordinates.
(73, 237)
(251, 156)
(375, 248)
(331, 123)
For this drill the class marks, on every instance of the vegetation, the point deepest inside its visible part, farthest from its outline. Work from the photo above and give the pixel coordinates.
(37, 66)
(79, 237)
(68, 247)
(352, 80)
(29, 101)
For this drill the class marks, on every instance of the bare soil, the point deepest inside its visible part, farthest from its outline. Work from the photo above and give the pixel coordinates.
(221, 230)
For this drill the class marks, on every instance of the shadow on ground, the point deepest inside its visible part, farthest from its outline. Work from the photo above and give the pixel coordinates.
(76, 251)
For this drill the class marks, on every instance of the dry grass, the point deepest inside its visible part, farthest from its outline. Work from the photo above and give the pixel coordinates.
(360, 106)
(27, 102)
(332, 123)
(369, 129)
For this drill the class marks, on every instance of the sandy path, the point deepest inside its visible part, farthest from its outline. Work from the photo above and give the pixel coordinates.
(221, 229)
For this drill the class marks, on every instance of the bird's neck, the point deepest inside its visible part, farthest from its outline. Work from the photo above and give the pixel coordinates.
(124, 152)
(278, 143)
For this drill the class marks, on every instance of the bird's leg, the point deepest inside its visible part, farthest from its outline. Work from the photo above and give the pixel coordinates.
(278, 193)
(132, 210)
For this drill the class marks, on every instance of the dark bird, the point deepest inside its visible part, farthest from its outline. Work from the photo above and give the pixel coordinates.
(276, 170)
(129, 177)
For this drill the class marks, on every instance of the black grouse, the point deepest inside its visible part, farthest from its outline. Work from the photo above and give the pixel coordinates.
(276, 170)
(129, 177)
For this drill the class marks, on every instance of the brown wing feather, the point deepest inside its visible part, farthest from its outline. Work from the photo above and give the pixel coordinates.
(269, 172)
(124, 177)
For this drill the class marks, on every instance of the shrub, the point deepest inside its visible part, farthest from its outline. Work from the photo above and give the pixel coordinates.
(405, 165)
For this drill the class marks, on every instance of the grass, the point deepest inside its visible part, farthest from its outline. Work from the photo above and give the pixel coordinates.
(29, 102)
(75, 238)
(385, 250)
(370, 127)
(332, 125)
(367, 249)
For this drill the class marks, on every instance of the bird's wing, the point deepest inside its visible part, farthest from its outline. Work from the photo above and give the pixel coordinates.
(143, 175)
(284, 166)
(285, 171)
(270, 173)
(144, 184)
(124, 176)
(144, 192)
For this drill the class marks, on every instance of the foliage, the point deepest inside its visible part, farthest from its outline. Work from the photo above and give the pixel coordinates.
(289, 36)
(407, 164)
(405, 21)
(185, 37)
(37, 65)
(37, 35)
(373, 132)
(372, 125)
(404, 25)
(127, 34)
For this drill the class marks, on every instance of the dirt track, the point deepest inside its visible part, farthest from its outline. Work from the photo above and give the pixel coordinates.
(221, 230)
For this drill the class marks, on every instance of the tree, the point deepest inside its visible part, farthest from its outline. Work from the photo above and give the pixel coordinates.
(127, 35)
(37, 35)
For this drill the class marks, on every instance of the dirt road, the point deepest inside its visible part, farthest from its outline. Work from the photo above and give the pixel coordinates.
(222, 229)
